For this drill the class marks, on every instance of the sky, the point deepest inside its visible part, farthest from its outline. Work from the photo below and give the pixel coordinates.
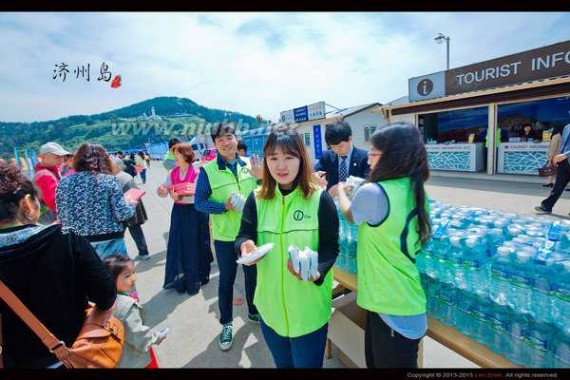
(252, 63)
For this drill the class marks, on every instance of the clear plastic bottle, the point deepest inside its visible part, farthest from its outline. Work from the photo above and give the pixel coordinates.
(482, 319)
(561, 300)
(464, 314)
(559, 352)
(537, 342)
(499, 324)
(522, 280)
(544, 278)
(518, 329)
(475, 260)
(500, 286)
(447, 299)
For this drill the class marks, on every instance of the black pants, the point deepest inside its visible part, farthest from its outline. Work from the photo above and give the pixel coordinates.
(138, 236)
(386, 348)
(562, 179)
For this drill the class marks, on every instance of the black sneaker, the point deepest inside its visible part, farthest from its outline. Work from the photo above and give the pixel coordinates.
(255, 318)
(542, 210)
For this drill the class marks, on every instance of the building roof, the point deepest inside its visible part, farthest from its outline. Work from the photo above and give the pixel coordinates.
(401, 100)
(478, 97)
(351, 110)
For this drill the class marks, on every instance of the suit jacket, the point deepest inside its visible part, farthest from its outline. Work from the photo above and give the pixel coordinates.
(357, 167)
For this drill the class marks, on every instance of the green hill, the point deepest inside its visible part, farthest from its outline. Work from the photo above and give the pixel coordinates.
(122, 128)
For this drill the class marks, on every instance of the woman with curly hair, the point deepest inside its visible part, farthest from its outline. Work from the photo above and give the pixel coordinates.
(91, 201)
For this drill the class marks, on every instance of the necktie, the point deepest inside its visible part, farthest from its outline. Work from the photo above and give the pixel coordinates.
(343, 170)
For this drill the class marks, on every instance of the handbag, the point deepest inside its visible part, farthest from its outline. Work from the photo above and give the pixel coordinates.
(98, 345)
(547, 171)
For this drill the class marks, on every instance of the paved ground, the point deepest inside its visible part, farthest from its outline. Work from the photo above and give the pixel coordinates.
(193, 321)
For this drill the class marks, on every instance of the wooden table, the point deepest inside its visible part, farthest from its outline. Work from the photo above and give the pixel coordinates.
(448, 336)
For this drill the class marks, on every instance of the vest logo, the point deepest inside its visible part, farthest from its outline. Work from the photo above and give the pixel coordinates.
(244, 170)
(298, 215)
(425, 87)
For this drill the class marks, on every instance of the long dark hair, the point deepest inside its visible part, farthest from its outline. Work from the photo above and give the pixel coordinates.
(404, 155)
(288, 141)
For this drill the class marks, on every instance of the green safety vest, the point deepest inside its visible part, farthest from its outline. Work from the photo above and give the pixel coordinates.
(290, 306)
(388, 280)
(223, 183)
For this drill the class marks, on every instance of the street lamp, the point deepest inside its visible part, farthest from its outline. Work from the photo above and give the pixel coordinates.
(439, 39)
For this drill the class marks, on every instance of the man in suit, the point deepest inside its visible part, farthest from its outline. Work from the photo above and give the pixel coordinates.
(342, 160)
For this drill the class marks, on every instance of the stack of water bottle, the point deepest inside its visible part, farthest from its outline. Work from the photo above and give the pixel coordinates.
(348, 231)
(502, 279)
(348, 235)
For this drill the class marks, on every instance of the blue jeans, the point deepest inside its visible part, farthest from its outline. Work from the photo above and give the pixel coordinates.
(227, 256)
(305, 351)
(110, 247)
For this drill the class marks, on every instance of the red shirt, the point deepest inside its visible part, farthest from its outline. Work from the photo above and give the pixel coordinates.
(47, 178)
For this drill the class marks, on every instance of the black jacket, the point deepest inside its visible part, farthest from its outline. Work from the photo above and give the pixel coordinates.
(357, 167)
(54, 275)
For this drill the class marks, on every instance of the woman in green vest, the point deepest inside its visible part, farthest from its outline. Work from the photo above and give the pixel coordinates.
(290, 209)
(391, 210)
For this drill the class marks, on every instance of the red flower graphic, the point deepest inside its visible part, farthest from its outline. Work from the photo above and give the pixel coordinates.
(116, 83)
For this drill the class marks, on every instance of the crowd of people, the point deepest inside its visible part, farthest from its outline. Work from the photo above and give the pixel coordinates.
(65, 229)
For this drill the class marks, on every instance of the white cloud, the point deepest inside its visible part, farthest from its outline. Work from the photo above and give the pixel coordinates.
(245, 62)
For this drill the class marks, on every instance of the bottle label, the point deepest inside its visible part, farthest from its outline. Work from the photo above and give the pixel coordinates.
(544, 252)
(498, 325)
(499, 274)
(563, 294)
(440, 230)
(521, 281)
(537, 343)
(480, 316)
(554, 231)
(476, 264)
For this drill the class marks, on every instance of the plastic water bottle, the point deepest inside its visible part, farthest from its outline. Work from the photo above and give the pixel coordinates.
(454, 272)
(537, 343)
(544, 275)
(499, 288)
(560, 349)
(464, 321)
(482, 317)
(518, 327)
(522, 280)
(499, 323)
(474, 263)
(561, 301)
(447, 299)
(433, 290)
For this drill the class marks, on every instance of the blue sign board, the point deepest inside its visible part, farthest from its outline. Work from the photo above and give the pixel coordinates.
(317, 141)
(301, 114)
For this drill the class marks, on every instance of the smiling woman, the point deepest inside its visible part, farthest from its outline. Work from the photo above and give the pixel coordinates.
(291, 210)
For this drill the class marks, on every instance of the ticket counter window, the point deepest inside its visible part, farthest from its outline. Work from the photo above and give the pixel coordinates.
(454, 139)
(523, 153)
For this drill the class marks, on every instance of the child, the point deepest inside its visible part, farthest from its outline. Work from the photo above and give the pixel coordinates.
(138, 337)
